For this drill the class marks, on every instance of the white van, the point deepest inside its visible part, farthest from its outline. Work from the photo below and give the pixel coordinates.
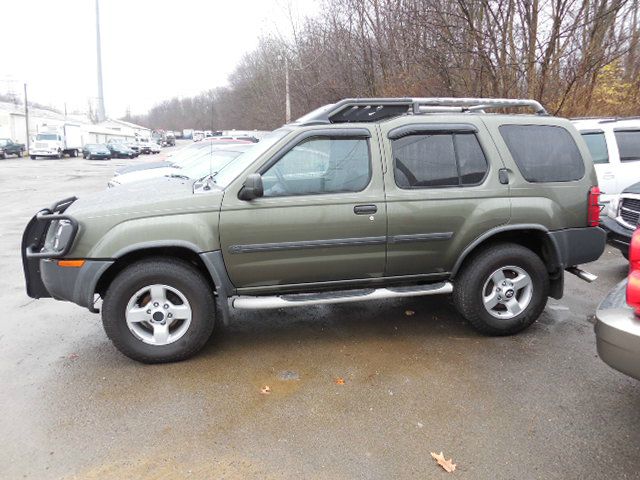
(615, 148)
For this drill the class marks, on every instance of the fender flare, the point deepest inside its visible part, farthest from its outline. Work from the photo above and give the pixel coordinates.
(212, 260)
(506, 228)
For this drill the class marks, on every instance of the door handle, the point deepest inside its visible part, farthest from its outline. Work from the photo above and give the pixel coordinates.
(365, 209)
(503, 176)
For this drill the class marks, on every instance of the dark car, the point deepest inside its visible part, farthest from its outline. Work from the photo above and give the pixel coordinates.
(120, 150)
(618, 319)
(622, 218)
(9, 147)
(96, 151)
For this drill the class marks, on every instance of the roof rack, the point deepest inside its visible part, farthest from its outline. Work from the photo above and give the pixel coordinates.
(373, 109)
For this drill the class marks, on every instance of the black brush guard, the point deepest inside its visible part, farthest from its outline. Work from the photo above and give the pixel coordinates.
(33, 242)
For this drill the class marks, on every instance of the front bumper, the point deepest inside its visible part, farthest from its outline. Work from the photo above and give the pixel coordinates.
(618, 333)
(41, 152)
(73, 284)
(617, 235)
(44, 277)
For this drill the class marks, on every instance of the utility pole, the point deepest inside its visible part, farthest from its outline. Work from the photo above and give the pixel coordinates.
(101, 110)
(26, 115)
(287, 102)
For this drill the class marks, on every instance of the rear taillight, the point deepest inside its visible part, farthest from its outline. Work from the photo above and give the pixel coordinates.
(633, 282)
(593, 217)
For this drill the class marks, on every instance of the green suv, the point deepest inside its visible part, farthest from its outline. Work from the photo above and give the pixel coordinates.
(362, 199)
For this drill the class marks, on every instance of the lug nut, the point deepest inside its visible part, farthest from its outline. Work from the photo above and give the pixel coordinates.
(499, 297)
(166, 306)
(155, 304)
(149, 312)
(170, 315)
(504, 282)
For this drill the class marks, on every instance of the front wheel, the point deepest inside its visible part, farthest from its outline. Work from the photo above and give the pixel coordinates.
(159, 311)
(502, 290)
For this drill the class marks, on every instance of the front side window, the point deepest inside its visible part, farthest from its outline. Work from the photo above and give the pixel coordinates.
(597, 146)
(320, 165)
(544, 153)
(628, 145)
(438, 160)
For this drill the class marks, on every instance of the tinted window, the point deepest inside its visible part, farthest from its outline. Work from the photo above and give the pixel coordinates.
(438, 160)
(544, 153)
(597, 147)
(628, 145)
(471, 161)
(320, 165)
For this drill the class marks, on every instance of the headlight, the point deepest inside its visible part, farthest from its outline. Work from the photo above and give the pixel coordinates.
(612, 208)
(59, 235)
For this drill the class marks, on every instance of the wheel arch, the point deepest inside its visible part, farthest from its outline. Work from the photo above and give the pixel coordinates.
(210, 264)
(535, 237)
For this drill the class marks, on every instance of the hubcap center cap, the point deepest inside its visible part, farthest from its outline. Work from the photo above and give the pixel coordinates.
(509, 293)
(157, 316)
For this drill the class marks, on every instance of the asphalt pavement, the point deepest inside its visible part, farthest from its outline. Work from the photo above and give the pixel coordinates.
(358, 391)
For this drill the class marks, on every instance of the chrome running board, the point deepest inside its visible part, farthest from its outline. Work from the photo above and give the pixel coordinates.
(582, 274)
(246, 302)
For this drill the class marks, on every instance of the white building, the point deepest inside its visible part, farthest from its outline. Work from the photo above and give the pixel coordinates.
(13, 125)
(127, 129)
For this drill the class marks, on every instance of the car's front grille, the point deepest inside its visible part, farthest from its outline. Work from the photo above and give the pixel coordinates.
(41, 145)
(630, 211)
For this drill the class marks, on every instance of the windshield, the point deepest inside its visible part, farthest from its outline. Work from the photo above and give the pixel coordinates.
(208, 163)
(46, 136)
(229, 174)
(3, 142)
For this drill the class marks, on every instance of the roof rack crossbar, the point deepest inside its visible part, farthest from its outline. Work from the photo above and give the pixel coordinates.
(481, 103)
(373, 109)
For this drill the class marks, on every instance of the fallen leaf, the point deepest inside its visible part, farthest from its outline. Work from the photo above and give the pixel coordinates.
(448, 465)
(409, 313)
(266, 390)
(339, 381)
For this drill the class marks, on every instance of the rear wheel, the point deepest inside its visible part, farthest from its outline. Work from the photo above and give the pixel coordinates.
(33, 157)
(159, 310)
(502, 290)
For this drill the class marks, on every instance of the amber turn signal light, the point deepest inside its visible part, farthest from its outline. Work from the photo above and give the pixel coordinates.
(70, 263)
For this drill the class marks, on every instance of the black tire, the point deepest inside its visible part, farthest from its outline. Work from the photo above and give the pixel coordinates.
(176, 274)
(470, 283)
(33, 157)
(60, 154)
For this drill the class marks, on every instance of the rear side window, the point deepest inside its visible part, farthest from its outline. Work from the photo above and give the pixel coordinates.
(438, 160)
(628, 145)
(597, 146)
(544, 153)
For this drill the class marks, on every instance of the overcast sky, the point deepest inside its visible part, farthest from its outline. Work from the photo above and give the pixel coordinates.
(151, 49)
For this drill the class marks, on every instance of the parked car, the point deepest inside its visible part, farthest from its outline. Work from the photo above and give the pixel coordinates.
(196, 167)
(9, 147)
(181, 155)
(144, 147)
(621, 219)
(614, 145)
(155, 147)
(96, 151)
(360, 200)
(121, 150)
(617, 325)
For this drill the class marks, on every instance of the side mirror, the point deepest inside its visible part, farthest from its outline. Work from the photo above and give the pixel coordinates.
(252, 187)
